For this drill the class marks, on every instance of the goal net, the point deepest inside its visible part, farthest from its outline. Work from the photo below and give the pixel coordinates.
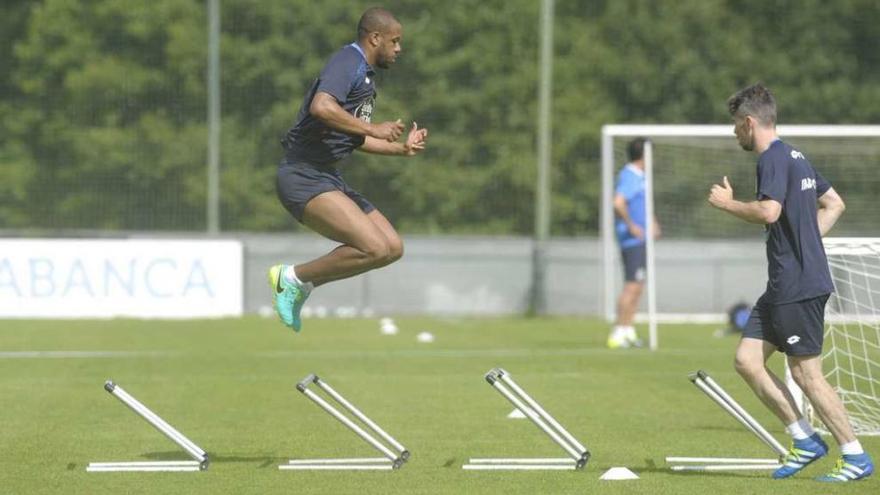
(852, 329)
(706, 261)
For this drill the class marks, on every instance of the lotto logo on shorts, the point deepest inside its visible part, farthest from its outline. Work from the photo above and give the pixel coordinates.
(794, 339)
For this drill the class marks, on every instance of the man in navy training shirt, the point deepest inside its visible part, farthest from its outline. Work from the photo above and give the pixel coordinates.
(334, 120)
(630, 226)
(789, 316)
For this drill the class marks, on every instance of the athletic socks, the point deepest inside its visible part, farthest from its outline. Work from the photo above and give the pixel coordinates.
(852, 448)
(800, 429)
(291, 278)
(624, 332)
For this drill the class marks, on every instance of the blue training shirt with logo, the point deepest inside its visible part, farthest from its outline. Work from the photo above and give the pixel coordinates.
(350, 80)
(797, 268)
(631, 185)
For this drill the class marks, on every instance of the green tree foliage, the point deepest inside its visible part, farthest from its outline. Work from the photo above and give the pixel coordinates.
(102, 102)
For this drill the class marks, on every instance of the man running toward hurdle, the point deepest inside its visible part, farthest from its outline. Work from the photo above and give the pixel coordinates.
(789, 316)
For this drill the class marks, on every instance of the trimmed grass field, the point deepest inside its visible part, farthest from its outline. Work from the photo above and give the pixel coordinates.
(228, 385)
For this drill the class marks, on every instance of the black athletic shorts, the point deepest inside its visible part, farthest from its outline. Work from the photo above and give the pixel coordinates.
(634, 263)
(797, 329)
(298, 182)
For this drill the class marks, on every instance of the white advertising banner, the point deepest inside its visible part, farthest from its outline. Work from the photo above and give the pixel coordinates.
(120, 278)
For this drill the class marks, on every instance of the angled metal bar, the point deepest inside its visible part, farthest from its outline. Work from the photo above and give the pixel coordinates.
(498, 378)
(360, 415)
(501, 381)
(708, 386)
(700, 384)
(155, 421)
(200, 462)
(533, 404)
(536, 419)
(392, 459)
(761, 432)
(350, 424)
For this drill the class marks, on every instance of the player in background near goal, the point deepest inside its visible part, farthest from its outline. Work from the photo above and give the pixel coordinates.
(630, 226)
(334, 120)
(789, 316)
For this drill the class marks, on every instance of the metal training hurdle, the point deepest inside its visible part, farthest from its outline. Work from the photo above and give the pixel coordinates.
(200, 462)
(501, 381)
(395, 453)
(714, 391)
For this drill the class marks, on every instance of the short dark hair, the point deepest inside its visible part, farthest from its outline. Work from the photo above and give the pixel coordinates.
(636, 148)
(375, 19)
(755, 101)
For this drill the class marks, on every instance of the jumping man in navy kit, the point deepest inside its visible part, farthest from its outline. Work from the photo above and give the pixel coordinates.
(789, 316)
(335, 119)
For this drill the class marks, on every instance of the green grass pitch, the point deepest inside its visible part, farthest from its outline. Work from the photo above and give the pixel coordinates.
(228, 385)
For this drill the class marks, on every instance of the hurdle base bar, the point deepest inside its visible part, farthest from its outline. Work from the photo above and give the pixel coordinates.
(147, 466)
(727, 467)
(200, 460)
(501, 381)
(395, 456)
(524, 464)
(355, 463)
(714, 391)
(352, 464)
(722, 464)
(531, 409)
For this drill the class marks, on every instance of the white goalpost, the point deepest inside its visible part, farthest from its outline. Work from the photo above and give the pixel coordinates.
(852, 330)
(718, 259)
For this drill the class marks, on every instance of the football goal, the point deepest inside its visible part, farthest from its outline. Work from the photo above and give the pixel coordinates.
(852, 329)
(706, 261)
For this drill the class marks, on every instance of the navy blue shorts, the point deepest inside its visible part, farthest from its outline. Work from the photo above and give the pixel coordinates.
(797, 329)
(634, 263)
(298, 182)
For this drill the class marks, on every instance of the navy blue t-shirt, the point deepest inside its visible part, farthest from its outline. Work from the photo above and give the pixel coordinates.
(797, 268)
(348, 78)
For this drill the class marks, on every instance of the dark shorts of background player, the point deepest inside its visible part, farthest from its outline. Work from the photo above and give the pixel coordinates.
(298, 182)
(633, 263)
(797, 329)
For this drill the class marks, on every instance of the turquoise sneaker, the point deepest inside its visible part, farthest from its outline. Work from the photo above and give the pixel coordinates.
(802, 453)
(287, 298)
(850, 468)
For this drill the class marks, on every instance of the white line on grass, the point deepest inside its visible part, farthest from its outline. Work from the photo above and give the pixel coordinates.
(80, 354)
(465, 353)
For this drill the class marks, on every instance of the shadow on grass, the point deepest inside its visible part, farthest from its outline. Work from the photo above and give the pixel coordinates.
(264, 461)
(651, 466)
